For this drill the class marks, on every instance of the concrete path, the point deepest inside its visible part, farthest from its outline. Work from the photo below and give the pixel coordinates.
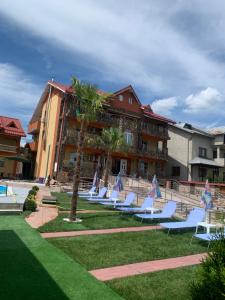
(147, 267)
(98, 231)
(43, 215)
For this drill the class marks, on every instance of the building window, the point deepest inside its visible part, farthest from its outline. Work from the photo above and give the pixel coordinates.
(202, 172)
(2, 163)
(175, 171)
(130, 100)
(128, 136)
(202, 152)
(121, 98)
(143, 168)
(144, 146)
(214, 153)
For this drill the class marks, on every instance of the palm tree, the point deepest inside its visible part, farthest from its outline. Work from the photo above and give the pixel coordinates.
(112, 140)
(90, 103)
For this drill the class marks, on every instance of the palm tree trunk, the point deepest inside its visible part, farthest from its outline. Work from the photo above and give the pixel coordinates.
(76, 177)
(107, 169)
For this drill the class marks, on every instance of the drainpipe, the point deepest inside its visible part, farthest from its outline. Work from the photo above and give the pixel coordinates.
(46, 171)
(188, 156)
(60, 136)
(47, 111)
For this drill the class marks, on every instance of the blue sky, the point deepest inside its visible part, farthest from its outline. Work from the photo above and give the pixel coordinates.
(172, 52)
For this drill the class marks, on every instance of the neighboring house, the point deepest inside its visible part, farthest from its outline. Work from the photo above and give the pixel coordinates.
(11, 132)
(55, 130)
(219, 149)
(191, 153)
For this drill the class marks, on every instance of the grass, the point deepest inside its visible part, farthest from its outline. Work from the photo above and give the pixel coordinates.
(169, 284)
(92, 221)
(64, 203)
(99, 251)
(33, 269)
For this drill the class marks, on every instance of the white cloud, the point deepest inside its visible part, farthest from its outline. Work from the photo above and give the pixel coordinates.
(128, 42)
(207, 101)
(164, 106)
(18, 94)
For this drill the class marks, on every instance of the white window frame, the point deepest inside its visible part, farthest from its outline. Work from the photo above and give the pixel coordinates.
(130, 100)
(128, 136)
(121, 98)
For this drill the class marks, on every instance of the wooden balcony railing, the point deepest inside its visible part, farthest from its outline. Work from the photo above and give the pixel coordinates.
(8, 148)
(71, 138)
(154, 130)
(157, 154)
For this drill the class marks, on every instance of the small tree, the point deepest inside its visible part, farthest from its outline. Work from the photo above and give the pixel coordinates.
(210, 281)
(111, 140)
(90, 103)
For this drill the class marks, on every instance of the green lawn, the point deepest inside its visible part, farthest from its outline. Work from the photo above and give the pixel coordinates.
(64, 203)
(99, 251)
(163, 285)
(33, 269)
(92, 221)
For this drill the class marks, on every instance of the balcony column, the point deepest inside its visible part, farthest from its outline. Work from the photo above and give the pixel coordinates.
(218, 152)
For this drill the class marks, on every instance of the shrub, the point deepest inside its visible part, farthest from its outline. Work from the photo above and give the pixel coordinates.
(35, 188)
(210, 280)
(32, 192)
(30, 204)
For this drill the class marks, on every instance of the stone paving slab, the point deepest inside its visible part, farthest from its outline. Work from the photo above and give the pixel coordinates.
(98, 231)
(106, 274)
(43, 215)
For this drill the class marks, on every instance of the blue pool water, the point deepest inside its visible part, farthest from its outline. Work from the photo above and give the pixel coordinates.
(2, 189)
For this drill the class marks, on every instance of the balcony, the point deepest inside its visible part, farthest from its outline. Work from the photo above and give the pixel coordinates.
(71, 138)
(34, 127)
(156, 154)
(154, 130)
(33, 146)
(104, 118)
(8, 148)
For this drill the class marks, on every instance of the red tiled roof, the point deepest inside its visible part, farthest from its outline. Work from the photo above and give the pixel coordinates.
(68, 88)
(146, 108)
(64, 88)
(158, 117)
(11, 126)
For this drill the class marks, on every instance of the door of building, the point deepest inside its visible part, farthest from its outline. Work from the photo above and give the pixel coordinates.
(123, 166)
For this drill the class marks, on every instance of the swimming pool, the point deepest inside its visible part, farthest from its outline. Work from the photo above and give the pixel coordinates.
(2, 189)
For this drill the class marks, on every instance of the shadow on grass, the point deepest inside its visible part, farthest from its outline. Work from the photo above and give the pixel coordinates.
(22, 277)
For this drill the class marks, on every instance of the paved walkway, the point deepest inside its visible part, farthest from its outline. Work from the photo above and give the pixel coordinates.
(44, 213)
(98, 231)
(147, 267)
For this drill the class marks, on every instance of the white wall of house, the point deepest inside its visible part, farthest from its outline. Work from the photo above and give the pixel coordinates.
(204, 142)
(183, 146)
(179, 152)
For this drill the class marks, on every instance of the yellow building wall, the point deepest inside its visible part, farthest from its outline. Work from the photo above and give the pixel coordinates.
(46, 151)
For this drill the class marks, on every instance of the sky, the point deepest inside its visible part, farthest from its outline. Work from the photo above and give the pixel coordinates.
(171, 52)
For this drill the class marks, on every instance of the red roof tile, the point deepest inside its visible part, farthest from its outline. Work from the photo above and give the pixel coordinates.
(158, 117)
(11, 126)
(146, 108)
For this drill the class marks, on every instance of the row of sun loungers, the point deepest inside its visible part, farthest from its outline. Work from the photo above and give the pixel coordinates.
(195, 216)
